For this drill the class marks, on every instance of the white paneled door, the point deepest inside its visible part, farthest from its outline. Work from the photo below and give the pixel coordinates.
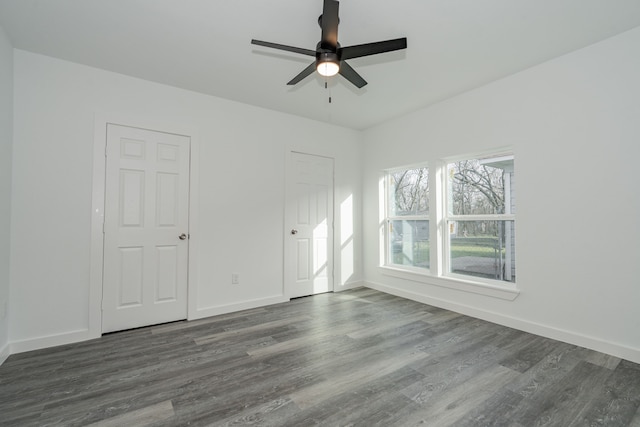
(309, 226)
(146, 228)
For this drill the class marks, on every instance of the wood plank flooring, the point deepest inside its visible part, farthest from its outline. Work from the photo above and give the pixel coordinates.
(357, 358)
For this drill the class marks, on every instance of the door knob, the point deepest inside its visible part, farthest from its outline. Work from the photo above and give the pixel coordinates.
(294, 231)
(182, 236)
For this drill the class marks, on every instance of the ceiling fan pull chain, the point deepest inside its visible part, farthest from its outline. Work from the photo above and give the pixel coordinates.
(326, 86)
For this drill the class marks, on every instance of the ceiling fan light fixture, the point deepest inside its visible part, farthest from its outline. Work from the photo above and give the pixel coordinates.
(327, 64)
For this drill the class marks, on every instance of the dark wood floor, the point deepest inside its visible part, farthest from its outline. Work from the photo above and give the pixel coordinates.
(354, 358)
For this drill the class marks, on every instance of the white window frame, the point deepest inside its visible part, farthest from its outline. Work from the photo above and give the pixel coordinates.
(438, 272)
(448, 217)
(388, 218)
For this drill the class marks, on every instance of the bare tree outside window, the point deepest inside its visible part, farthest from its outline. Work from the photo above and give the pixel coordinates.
(410, 192)
(480, 221)
(476, 189)
(408, 217)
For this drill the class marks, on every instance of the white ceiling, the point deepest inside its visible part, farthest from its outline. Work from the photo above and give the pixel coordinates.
(204, 45)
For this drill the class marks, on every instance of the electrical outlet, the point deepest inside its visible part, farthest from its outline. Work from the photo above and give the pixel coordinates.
(235, 278)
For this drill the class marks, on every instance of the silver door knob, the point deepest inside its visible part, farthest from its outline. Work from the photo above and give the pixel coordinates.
(294, 231)
(182, 236)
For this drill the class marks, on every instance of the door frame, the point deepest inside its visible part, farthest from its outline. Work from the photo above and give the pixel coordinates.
(286, 290)
(98, 203)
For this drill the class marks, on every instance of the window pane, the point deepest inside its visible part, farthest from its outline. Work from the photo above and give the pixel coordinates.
(481, 186)
(409, 242)
(409, 192)
(483, 249)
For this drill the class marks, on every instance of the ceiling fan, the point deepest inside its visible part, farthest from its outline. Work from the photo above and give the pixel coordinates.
(330, 56)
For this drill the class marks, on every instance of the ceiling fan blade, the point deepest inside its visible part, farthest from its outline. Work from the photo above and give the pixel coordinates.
(351, 75)
(304, 73)
(367, 49)
(294, 49)
(329, 25)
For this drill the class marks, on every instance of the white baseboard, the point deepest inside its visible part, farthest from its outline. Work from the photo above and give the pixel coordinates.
(593, 343)
(4, 353)
(230, 308)
(49, 341)
(84, 334)
(614, 349)
(349, 285)
(247, 305)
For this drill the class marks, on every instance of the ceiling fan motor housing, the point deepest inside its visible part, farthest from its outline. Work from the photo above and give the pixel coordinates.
(327, 57)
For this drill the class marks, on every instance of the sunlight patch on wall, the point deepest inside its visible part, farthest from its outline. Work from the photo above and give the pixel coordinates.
(346, 240)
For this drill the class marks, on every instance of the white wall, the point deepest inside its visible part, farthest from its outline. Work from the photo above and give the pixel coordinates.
(241, 191)
(574, 125)
(570, 121)
(6, 124)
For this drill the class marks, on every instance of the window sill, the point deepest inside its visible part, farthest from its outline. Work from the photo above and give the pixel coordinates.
(506, 291)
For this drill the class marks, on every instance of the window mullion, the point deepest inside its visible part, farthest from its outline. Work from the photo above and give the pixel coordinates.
(408, 217)
(436, 219)
(483, 217)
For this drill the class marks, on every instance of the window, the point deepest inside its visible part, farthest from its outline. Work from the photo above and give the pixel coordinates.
(480, 218)
(407, 218)
(473, 221)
